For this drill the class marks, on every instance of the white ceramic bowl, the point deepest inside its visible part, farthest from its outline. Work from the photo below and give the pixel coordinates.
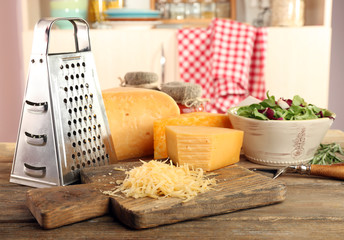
(278, 142)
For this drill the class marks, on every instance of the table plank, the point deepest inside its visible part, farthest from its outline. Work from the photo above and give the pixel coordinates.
(13, 204)
(6, 159)
(220, 227)
(6, 152)
(334, 135)
(313, 209)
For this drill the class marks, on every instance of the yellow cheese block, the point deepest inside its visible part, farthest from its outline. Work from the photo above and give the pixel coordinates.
(208, 148)
(131, 113)
(188, 119)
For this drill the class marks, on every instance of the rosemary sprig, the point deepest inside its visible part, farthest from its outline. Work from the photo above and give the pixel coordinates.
(326, 154)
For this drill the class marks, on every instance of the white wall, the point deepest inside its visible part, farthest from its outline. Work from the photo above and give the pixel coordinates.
(11, 70)
(12, 79)
(336, 96)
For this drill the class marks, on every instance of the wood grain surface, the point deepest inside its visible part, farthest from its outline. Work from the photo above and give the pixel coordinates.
(237, 188)
(334, 170)
(58, 206)
(313, 209)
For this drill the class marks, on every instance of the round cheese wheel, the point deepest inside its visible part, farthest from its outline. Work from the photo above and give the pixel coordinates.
(131, 113)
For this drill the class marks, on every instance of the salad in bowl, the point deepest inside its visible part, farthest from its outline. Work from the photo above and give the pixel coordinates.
(281, 132)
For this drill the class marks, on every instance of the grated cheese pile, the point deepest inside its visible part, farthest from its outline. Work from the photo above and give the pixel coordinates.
(157, 179)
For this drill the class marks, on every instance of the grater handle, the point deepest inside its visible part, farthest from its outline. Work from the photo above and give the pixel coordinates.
(35, 171)
(42, 33)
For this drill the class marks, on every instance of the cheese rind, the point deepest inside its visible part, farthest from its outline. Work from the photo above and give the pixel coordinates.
(188, 119)
(208, 148)
(131, 113)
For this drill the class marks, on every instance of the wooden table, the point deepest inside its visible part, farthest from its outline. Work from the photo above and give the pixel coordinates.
(313, 209)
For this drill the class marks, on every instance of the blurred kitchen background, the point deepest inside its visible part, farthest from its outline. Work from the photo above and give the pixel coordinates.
(304, 55)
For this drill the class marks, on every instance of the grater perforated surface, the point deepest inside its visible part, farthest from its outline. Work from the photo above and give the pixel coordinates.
(78, 113)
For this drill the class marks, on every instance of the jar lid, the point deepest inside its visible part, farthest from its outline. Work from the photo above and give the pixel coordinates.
(140, 80)
(182, 91)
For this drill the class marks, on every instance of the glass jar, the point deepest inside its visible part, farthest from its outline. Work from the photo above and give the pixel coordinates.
(115, 4)
(177, 9)
(190, 109)
(163, 6)
(223, 8)
(96, 11)
(287, 13)
(192, 9)
(208, 8)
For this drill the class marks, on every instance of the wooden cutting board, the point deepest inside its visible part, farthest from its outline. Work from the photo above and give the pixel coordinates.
(237, 188)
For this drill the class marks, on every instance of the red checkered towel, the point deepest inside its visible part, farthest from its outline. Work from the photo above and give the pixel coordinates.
(227, 59)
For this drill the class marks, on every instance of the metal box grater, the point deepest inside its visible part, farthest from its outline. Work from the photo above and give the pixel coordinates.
(63, 126)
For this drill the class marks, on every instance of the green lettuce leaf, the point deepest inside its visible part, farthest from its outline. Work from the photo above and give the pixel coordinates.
(268, 109)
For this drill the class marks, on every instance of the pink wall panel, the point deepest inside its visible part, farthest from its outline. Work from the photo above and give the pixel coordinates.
(11, 70)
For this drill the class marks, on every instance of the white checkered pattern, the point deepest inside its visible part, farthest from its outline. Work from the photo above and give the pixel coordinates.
(226, 59)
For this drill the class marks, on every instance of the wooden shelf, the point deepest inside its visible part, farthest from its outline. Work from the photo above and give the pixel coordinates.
(188, 22)
(317, 12)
